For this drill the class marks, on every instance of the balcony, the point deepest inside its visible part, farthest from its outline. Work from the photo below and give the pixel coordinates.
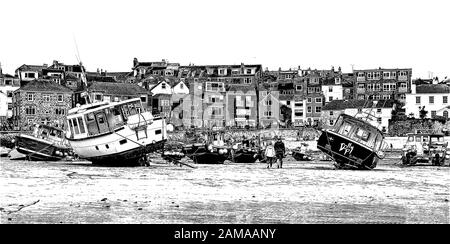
(360, 78)
(360, 90)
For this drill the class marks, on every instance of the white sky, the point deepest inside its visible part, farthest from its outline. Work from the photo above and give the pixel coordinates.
(276, 33)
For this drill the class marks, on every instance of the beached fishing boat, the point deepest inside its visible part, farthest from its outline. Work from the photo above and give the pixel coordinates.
(46, 143)
(301, 154)
(118, 133)
(211, 150)
(353, 142)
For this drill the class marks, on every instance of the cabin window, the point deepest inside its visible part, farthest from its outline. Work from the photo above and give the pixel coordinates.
(81, 123)
(362, 134)
(411, 139)
(417, 138)
(345, 129)
(91, 124)
(102, 124)
(75, 126)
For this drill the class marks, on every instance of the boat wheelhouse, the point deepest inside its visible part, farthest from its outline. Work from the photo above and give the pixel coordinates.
(46, 143)
(353, 143)
(121, 133)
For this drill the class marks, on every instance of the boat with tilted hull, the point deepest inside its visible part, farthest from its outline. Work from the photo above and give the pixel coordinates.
(208, 150)
(46, 143)
(117, 133)
(353, 142)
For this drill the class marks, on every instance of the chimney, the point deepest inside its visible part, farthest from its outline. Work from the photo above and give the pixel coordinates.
(98, 70)
(55, 62)
(45, 65)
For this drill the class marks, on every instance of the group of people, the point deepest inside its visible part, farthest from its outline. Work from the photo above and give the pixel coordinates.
(275, 152)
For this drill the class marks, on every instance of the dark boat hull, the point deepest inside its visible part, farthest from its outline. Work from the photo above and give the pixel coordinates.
(299, 156)
(131, 157)
(345, 152)
(39, 149)
(201, 155)
(245, 156)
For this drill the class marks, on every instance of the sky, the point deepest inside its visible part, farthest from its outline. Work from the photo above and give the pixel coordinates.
(278, 33)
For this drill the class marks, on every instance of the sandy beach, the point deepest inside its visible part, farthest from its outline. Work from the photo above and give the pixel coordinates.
(301, 192)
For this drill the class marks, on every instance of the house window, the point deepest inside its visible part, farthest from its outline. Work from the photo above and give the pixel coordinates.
(331, 122)
(331, 113)
(143, 99)
(309, 109)
(318, 109)
(379, 120)
(299, 87)
(182, 86)
(431, 99)
(445, 99)
(417, 100)
(247, 80)
(361, 86)
(268, 102)
(268, 113)
(330, 99)
(309, 99)
(402, 85)
(330, 89)
(30, 96)
(445, 114)
(60, 97)
(298, 113)
(433, 114)
(249, 71)
(318, 100)
(46, 98)
(98, 97)
(60, 111)
(30, 75)
(30, 110)
(386, 75)
(379, 110)
(318, 90)
(163, 85)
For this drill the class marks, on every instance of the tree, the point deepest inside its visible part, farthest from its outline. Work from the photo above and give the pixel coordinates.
(423, 113)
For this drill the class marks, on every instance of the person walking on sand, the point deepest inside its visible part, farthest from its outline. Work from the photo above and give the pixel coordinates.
(280, 150)
(270, 154)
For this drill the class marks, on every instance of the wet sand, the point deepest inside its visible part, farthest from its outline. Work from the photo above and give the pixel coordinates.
(301, 192)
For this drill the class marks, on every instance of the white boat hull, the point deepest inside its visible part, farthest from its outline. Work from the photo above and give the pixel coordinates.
(122, 144)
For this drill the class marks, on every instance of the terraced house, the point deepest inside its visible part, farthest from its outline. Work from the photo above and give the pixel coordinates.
(433, 97)
(383, 84)
(41, 101)
(8, 84)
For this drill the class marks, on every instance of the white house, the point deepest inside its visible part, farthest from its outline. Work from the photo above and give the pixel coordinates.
(30, 72)
(382, 110)
(162, 87)
(433, 96)
(180, 88)
(8, 84)
(3, 106)
(332, 89)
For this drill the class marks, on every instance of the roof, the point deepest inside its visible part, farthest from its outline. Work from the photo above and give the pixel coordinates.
(432, 88)
(355, 103)
(27, 67)
(44, 85)
(117, 88)
(240, 88)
